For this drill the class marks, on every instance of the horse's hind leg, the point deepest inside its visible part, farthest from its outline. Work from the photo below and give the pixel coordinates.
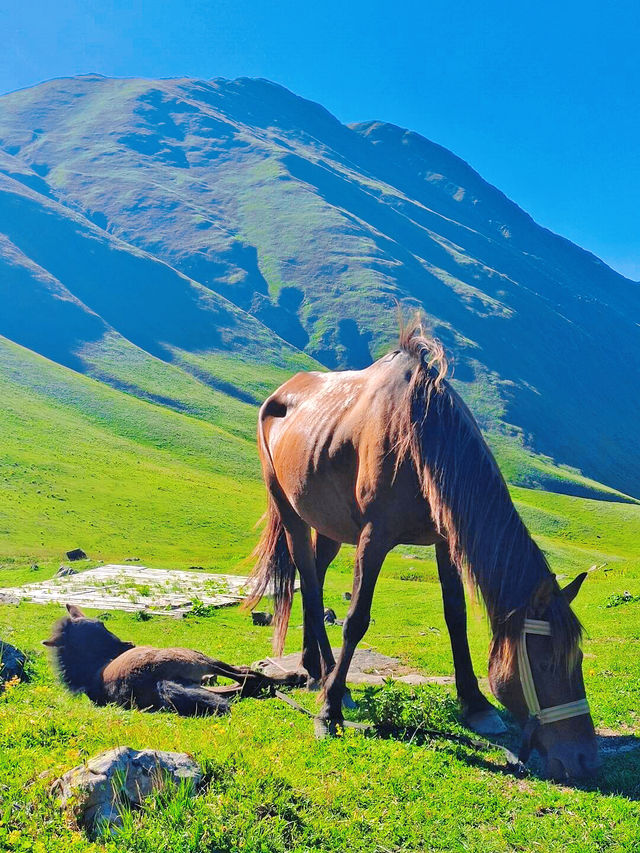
(301, 549)
(372, 549)
(478, 712)
(190, 700)
(325, 551)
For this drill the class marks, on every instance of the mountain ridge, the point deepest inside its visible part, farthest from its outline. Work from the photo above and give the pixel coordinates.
(266, 201)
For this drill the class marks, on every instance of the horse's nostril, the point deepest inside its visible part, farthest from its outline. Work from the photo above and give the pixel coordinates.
(589, 765)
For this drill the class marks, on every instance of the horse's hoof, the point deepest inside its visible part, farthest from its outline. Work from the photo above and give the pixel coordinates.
(486, 722)
(313, 684)
(348, 701)
(326, 728)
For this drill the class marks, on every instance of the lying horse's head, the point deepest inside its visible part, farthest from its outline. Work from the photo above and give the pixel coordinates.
(82, 647)
(536, 672)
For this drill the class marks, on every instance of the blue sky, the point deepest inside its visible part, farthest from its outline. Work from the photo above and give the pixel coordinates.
(542, 98)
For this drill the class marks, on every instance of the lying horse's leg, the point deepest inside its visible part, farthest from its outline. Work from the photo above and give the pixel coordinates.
(372, 549)
(478, 712)
(189, 700)
(301, 549)
(325, 551)
(251, 683)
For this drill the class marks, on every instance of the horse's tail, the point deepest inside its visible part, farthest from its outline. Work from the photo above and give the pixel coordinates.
(274, 566)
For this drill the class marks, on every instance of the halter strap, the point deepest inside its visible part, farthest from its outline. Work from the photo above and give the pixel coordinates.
(556, 712)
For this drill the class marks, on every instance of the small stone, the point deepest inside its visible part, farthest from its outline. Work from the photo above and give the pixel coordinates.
(76, 554)
(261, 619)
(330, 616)
(96, 792)
(346, 596)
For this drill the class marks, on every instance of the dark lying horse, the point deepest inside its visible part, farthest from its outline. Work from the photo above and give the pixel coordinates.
(391, 455)
(94, 661)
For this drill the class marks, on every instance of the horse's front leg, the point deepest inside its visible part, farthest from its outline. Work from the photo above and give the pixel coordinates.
(372, 549)
(478, 712)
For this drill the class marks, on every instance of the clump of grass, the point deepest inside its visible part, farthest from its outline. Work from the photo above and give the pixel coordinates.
(201, 609)
(216, 587)
(142, 616)
(411, 576)
(406, 713)
(616, 599)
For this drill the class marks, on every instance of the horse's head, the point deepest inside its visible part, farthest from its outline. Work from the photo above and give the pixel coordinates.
(82, 646)
(537, 675)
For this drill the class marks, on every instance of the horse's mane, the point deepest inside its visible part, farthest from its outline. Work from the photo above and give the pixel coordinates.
(81, 648)
(470, 503)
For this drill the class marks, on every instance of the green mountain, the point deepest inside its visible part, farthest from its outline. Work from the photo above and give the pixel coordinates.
(191, 243)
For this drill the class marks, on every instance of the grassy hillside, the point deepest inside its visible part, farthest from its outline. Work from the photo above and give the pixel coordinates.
(194, 219)
(83, 463)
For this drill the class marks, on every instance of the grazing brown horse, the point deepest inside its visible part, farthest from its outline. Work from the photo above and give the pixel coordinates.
(94, 661)
(389, 455)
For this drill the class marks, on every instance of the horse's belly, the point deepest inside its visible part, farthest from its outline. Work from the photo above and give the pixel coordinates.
(319, 482)
(325, 499)
(329, 515)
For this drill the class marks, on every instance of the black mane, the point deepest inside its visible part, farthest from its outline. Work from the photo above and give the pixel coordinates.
(82, 648)
(470, 501)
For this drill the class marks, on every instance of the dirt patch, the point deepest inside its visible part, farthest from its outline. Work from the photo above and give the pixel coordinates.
(367, 667)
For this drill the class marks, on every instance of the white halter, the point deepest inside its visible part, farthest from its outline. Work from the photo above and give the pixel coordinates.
(556, 712)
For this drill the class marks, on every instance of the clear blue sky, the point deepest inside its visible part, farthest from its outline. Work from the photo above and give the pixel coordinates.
(542, 98)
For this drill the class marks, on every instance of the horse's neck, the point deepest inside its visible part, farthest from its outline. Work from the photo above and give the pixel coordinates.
(508, 582)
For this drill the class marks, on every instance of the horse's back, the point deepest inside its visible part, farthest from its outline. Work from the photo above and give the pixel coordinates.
(328, 438)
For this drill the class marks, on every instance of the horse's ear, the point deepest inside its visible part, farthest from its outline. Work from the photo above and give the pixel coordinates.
(572, 589)
(542, 596)
(74, 611)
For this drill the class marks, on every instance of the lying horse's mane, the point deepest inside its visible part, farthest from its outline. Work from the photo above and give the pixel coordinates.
(471, 505)
(81, 648)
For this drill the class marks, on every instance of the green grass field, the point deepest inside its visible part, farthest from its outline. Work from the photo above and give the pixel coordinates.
(85, 465)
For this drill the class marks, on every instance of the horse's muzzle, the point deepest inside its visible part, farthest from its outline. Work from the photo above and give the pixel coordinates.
(571, 762)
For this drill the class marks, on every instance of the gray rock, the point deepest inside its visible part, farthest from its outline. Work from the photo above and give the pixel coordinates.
(64, 571)
(95, 793)
(76, 554)
(12, 663)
